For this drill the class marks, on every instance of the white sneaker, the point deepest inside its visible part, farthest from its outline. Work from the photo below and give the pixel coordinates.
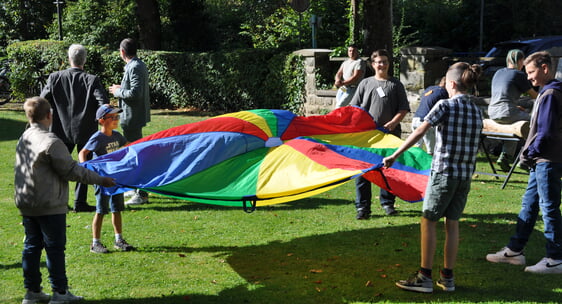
(137, 200)
(64, 298)
(130, 193)
(507, 255)
(546, 265)
(35, 297)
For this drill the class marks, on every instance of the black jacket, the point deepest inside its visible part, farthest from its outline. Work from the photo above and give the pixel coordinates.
(75, 97)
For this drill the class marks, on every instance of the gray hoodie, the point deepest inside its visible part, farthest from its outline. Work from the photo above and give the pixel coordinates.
(42, 170)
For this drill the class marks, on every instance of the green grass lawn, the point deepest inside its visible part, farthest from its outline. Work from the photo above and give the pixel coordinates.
(307, 251)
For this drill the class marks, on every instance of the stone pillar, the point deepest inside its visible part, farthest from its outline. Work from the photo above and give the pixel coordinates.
(421, 67)
(317, 101)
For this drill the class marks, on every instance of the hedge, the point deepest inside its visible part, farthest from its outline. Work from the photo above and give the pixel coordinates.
(218, 82)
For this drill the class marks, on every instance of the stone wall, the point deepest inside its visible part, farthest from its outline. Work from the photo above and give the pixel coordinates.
(317, 101)
(420, 67)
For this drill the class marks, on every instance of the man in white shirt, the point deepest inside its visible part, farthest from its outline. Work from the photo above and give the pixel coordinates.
(350, 73)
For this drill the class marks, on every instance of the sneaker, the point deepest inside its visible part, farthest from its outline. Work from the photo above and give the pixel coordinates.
(137, 200)
(363, 215)
(98, 248)
(32, 297)
(447, 284)
(129, 193)
(507, 255)
(389, 210)
(64, 298)
(546, 266)
(123, 245)
(505, 162)
(418, 282)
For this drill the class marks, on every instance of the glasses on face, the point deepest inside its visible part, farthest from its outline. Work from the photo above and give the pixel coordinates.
(115, 117)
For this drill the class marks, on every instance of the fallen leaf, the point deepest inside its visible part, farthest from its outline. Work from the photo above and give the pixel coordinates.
(316, 270)
(368, 284)
(181, 255)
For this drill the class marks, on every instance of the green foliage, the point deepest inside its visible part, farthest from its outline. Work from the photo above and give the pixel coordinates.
(24, 19)
(32, 60)
(294, 78)
(285, 28)
(219, 81)
(216, 81)
(192, 19)
(104, 22)
(401, 38)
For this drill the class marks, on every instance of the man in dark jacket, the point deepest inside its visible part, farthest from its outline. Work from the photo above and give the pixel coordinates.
(75, 97)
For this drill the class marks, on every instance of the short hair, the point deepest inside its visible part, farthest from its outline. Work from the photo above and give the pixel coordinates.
(379, 52)
(464, 75)
(129, 46)
(77, 54)
(36, 108)
(513, 56)
(539, 58)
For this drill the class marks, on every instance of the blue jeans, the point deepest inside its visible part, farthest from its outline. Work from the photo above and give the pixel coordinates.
(543, 193)
(364, 195)
(47, 232)
(344, 96)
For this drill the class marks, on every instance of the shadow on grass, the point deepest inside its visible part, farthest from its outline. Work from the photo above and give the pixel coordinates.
(194, 113)
(11, 129)
(174, 204)
(361, 266)
(13, 266)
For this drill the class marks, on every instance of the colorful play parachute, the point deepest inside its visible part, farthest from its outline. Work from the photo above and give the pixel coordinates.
(262, 157)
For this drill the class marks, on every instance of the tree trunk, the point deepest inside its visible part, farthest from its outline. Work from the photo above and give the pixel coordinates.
(150, 34)
(354, 23)
(378, 26)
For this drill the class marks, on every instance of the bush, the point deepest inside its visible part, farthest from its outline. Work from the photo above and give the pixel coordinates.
(219, 81)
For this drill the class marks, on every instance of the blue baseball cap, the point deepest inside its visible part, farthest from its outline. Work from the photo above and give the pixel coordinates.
(106, 109)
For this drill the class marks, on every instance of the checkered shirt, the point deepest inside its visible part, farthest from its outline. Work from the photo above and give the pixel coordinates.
(458, 125)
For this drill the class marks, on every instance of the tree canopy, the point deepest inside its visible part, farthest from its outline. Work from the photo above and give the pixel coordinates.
(206, 25)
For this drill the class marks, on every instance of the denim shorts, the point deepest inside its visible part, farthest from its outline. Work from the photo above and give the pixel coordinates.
(445, 197)
(107, 203)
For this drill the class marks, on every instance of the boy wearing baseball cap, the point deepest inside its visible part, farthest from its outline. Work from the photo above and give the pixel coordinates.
(102, 142)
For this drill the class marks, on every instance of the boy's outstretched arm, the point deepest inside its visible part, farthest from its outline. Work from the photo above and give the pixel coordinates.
(409, 142)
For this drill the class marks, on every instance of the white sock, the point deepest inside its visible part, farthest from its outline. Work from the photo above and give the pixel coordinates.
(96, 241)
(118, 237)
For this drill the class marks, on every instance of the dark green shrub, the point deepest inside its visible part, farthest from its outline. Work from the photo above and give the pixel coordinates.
(218, 81)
